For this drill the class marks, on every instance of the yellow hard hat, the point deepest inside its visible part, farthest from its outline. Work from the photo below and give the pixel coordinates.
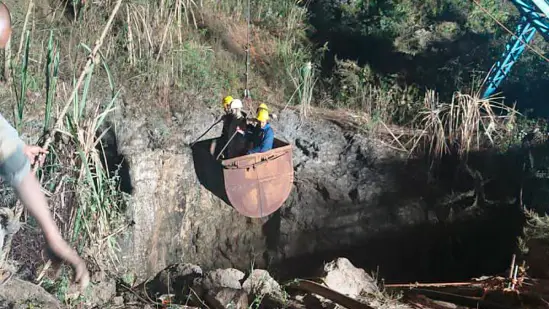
(263, 106)
(263, 115)
(227, 100)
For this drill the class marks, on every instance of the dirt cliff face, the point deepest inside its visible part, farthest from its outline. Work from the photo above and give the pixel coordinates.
(346, 188)
(175, 218)
(353, 196)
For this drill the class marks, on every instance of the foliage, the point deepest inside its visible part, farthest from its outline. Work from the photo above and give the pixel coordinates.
(383, 98)
(84, 194)
(461, 126)
(59, 287)
(536, 228)
(443, 45)
(372, 56)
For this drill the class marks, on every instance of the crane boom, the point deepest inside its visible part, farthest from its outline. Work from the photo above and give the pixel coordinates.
(534, 19)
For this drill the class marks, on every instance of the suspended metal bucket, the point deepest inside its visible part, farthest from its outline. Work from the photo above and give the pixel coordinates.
(256, 185)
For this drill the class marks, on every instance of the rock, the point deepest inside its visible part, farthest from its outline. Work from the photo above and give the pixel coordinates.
(349, 191)
(100, 293)
(223, 278)
(17, 292)
(118, 301)
(261, 283)
(98, 276)
(175, 217)
(342, 276)
(227, 298)
(176, 279)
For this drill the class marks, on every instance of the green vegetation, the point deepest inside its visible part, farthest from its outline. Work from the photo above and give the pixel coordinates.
(153, 49)
(165, 54)
(198, 49)
(407, 46)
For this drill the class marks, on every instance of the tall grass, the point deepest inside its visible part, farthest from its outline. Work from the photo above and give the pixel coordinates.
(357, 87)
(98, 196)
(84, 194)
(535, 229)
(21, 95)
(98, 215)
(304, 84)
(52, 75)
(463, 125)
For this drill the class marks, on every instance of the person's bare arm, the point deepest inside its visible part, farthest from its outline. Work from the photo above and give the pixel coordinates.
(15, 158)
(34, 200)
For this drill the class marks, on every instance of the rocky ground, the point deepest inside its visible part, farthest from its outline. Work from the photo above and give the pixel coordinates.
(355, 197)
(187, 285)
(340, 285)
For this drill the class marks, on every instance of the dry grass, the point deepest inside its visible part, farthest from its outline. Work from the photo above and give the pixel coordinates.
(84, 196)
(304, 82)
(536, 228)
(461, 126)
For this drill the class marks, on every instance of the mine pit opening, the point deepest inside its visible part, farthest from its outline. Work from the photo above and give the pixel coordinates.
(431, 252)
(475, 241)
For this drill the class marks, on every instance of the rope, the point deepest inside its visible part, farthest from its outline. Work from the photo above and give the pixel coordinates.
(535, 50)
(227, 144)
(208, 130)
(248, 17)
(91, 59)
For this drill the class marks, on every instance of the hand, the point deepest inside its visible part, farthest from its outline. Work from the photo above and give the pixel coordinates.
(239, 130)
(81, 275)
(33, 151)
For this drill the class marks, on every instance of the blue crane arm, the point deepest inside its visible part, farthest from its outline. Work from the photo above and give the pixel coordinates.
(513, 50)
(536, 12)
(542, 5)
(534, 19)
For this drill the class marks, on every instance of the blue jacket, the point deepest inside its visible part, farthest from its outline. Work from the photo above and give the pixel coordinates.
(265, 140)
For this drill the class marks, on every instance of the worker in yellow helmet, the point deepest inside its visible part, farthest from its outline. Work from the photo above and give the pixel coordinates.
(227, 103)
(16, 158)
(227, 117)
(263, 136)
(262, 106)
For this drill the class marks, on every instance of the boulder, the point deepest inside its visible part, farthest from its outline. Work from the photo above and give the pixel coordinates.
(101, 293)
(17, 292)
(223, 278)
(176, 279)
(220, 298)
(342, 276)
(261, 283)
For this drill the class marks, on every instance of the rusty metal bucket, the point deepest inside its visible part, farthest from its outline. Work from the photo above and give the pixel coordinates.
(256, 185)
